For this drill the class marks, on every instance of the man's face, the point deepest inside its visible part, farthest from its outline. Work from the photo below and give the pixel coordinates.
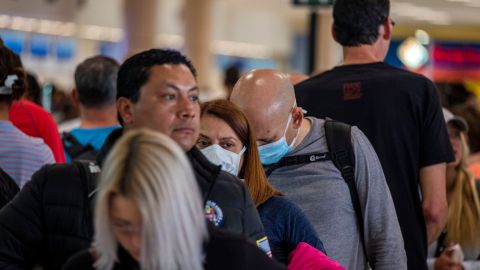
(268, 127)
(168, 103)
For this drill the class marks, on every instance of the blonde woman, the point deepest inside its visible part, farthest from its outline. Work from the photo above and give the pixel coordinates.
(463, 223)
(148, 215)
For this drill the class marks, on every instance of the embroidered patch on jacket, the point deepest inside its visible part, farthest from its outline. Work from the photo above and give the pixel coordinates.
(352, 91)
(213, 213)
(263, 244)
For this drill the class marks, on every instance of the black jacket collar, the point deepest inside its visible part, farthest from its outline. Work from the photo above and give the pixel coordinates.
(202, 167)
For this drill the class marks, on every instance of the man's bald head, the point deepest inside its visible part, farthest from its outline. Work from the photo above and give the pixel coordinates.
(264, 91)
(267, 98)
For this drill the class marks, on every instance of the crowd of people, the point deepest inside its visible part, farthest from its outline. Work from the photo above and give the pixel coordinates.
(358, 167)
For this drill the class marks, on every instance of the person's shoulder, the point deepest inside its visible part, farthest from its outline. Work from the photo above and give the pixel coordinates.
(40, 145)
(356, 132)
(400, 73)
(279, 206)
(34, 107)
(279, 202)
(35, 144)
(46, 182)
(35, 110)
(66, 176)
(316, 121)
(313, 80)
(81, 261)
(223, 242)
(240, 252)
(97, 130)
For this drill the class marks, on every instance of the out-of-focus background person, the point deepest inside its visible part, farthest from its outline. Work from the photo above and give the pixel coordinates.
(20, 154)
(463, 223)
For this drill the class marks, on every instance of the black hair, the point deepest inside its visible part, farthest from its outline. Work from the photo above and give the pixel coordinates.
(34, 91)
(356, 22)
(135, 71)
(96, 81)
(232, 74)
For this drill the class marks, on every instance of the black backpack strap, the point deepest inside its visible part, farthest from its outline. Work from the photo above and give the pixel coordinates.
(73, 147)
(339, 141)
(441, 243)
(298, 160)
(89, 173)
(8, 188)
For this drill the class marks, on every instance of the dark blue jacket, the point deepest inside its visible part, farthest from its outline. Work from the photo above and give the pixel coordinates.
(286, 225)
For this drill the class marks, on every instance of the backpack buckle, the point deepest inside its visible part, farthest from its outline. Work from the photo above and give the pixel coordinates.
(348, 171)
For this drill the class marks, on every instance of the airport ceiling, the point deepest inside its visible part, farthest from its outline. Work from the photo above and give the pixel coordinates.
(438, 12)
(411, 12)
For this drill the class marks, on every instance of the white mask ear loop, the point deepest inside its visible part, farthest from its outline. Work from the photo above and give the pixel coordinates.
(290, 116)
(242, 151)
(288, 123)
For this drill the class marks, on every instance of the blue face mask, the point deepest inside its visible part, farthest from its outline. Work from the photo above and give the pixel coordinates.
(271, 153)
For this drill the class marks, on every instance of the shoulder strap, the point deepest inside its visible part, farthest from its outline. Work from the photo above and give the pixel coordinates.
(73, 147)
(89, 173)
(339, 141)
(298, 160)
(441, 243)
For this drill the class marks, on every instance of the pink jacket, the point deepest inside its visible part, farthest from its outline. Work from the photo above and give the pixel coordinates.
(306, 257)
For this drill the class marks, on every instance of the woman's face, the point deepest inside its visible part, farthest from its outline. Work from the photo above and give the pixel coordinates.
(127, 224)
(214, 130)
(455, 140)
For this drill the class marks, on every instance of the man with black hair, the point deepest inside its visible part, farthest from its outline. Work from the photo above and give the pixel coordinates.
(51, 218)
(399, 111)
(94, 93)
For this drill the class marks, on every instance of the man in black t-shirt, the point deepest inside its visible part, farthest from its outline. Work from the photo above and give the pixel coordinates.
(399, 111)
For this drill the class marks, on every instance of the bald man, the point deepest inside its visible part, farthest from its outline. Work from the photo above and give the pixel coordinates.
(267, 97)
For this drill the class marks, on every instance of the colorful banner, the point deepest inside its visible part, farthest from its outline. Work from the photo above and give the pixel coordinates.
(449, 61)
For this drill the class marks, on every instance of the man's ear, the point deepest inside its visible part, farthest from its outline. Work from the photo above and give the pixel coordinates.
(387, 29)
(125, 110)
(297, 117)
(74, 96)
(334, 34)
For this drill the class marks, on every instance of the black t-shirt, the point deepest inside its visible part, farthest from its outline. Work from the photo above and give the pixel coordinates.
(399, 111)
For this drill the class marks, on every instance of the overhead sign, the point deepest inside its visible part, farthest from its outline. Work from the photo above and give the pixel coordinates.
(322, 3)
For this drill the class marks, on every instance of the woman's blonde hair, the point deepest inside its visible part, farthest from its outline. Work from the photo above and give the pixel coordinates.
(150, 169)
(463, 223)
(252, 170)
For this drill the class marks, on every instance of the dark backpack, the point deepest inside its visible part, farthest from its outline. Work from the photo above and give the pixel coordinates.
(76, 150)
(8, 188)
(339, 141)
